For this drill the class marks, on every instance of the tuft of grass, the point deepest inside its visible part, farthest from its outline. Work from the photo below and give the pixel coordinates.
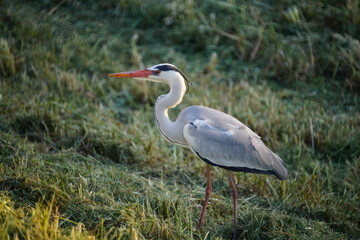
(7, 59)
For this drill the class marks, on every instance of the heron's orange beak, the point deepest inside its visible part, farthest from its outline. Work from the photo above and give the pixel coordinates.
(133, 74)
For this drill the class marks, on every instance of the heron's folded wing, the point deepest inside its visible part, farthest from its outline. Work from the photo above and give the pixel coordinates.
(232, 147)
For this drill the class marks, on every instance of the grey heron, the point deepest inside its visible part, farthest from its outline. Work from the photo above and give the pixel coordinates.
(215, 137)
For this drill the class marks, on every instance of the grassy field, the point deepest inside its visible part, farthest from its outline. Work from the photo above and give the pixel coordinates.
(81, 157)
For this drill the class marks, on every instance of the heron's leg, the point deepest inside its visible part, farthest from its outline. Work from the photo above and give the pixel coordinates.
(207, 196)
(235, 197)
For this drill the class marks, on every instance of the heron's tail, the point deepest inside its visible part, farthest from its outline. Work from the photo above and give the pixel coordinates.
(279, 169)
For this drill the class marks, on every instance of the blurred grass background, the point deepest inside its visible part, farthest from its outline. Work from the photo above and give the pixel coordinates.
(81, 157)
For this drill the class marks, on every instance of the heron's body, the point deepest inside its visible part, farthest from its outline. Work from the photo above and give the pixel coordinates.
(216, 137)
(221, 140)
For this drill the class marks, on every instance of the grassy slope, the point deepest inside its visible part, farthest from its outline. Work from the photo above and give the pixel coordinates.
(81, 157)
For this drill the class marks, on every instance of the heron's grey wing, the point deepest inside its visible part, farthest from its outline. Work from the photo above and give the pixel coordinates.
(233, 147)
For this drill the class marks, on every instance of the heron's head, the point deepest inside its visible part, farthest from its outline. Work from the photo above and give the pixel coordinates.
(163, 72)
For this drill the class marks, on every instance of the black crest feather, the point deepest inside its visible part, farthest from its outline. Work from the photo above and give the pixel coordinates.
(167, 67)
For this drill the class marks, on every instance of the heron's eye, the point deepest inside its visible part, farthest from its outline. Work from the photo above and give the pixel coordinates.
(157, 72)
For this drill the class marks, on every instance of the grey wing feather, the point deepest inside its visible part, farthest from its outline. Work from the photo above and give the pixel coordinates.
(234, 147)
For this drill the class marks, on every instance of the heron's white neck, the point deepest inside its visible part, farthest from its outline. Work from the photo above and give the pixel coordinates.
(164, 103)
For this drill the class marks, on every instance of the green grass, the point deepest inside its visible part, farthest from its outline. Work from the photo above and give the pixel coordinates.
(81, 157)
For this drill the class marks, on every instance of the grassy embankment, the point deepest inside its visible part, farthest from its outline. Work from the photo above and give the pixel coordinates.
(80, 154)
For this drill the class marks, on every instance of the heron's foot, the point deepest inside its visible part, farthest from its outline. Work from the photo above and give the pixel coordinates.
(234, 235)
(197, 228)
